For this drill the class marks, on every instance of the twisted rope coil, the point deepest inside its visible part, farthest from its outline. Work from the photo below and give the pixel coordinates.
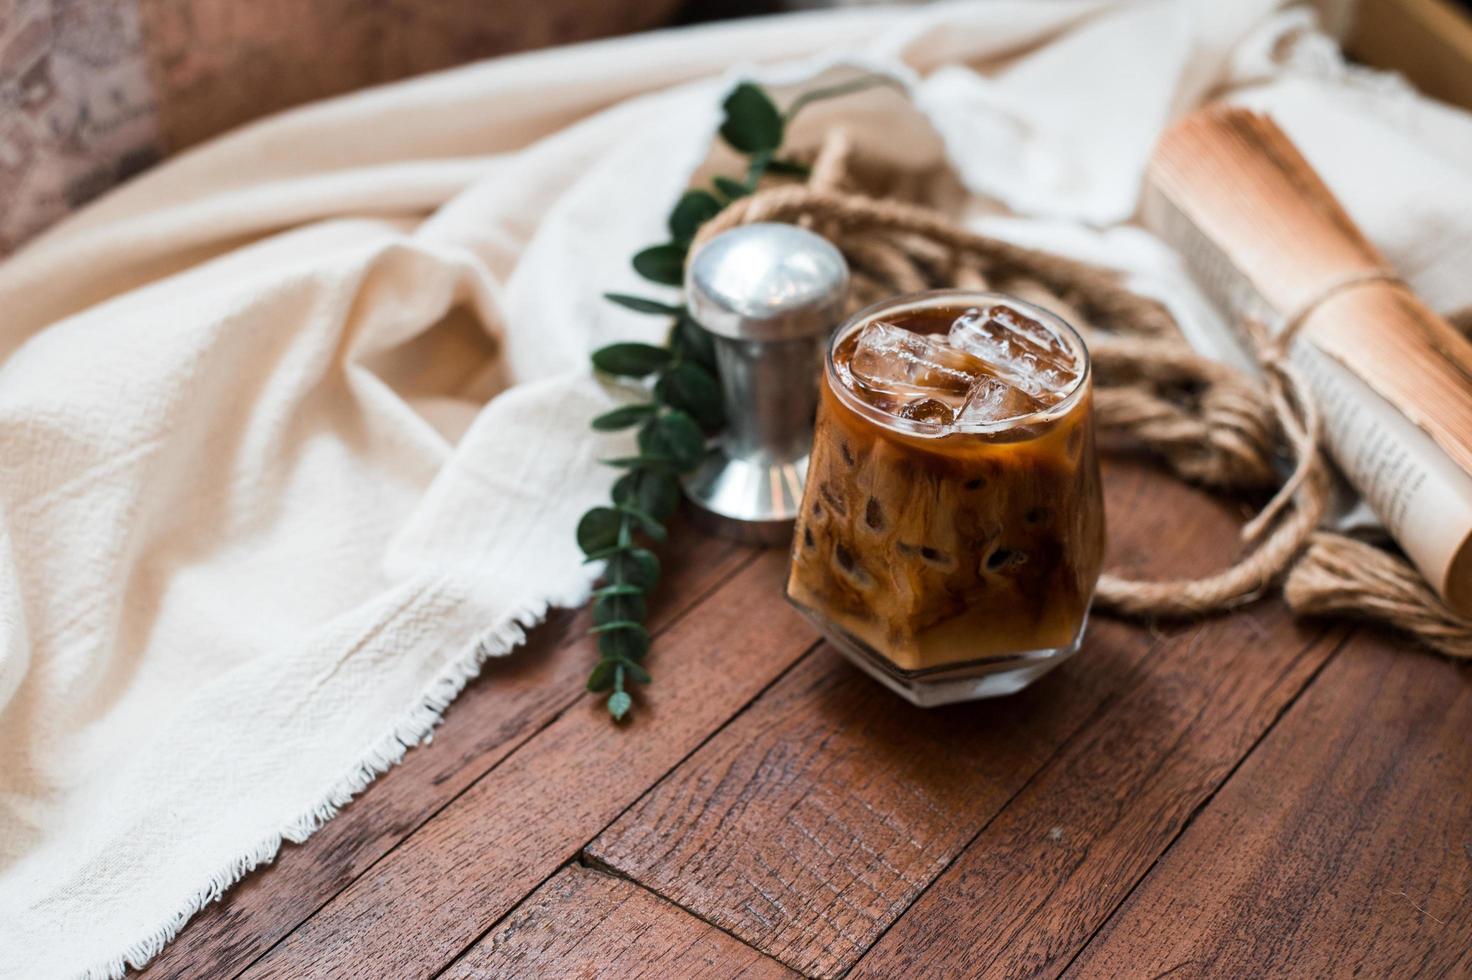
(1208, 422)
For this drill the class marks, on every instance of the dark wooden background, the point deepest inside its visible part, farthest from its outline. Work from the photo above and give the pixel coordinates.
(1245, 796)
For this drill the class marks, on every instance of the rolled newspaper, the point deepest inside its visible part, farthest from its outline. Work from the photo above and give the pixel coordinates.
(1266, 238)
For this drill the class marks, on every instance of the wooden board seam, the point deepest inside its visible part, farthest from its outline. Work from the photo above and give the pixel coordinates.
(584, 859)
(589, 863)
(550, 913)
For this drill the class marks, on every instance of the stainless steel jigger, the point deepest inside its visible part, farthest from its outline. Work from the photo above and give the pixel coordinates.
(770, 294)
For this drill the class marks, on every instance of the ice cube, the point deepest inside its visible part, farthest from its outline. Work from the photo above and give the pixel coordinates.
(889, 360)
(1025, 352)
(928, 410)
(993, 400)
(1029, 331)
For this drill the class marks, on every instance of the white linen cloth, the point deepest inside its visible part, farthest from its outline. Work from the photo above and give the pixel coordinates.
(294, 426)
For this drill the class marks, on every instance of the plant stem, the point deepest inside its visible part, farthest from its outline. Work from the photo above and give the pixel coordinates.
(834, 91)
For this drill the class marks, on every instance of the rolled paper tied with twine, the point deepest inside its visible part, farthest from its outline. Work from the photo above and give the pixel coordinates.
(1206, 421)
(1267, 238)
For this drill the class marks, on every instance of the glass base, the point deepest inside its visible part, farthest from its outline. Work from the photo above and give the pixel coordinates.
(972, 680)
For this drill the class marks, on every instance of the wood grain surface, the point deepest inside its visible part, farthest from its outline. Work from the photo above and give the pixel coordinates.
(1343, 847)
(813, 821)
(809, 825)
(1244, 796)
(587, 924)
(1042, 877)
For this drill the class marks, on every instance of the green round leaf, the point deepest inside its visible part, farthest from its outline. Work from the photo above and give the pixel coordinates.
(731, 188)
(662, 263)
(619, 704)
(598, 530)
(633, 566)
(634, 672)
(630, 360)
(623, 643)
(602, 554)
(620, 625)
(790, 168)
(601, 677)
(623, 418)
(691, 388)
(645, 523)
(611, 608)
(752, 121)
(641, 305)
(619, 589)
(693, 209)
(655, 493)
(645, 461)
(675, 436)
(693, 342)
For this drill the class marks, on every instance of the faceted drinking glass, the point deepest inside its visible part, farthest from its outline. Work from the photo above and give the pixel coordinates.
(952, 524)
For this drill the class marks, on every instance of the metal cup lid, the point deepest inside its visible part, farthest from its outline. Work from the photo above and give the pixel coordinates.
(767, 282)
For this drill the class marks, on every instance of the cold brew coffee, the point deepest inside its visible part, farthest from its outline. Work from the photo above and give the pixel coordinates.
(952, 527)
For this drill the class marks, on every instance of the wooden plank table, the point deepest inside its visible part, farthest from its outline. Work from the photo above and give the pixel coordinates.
(1245, 796)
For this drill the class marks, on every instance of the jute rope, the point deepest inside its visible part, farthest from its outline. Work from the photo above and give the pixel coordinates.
(1209, 423)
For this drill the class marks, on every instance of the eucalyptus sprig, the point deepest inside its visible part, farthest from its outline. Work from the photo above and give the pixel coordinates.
(684, 403)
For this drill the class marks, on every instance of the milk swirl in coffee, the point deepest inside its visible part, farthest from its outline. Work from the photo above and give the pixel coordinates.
(953, 511)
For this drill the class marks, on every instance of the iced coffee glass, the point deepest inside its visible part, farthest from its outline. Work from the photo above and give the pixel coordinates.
(952, 524)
